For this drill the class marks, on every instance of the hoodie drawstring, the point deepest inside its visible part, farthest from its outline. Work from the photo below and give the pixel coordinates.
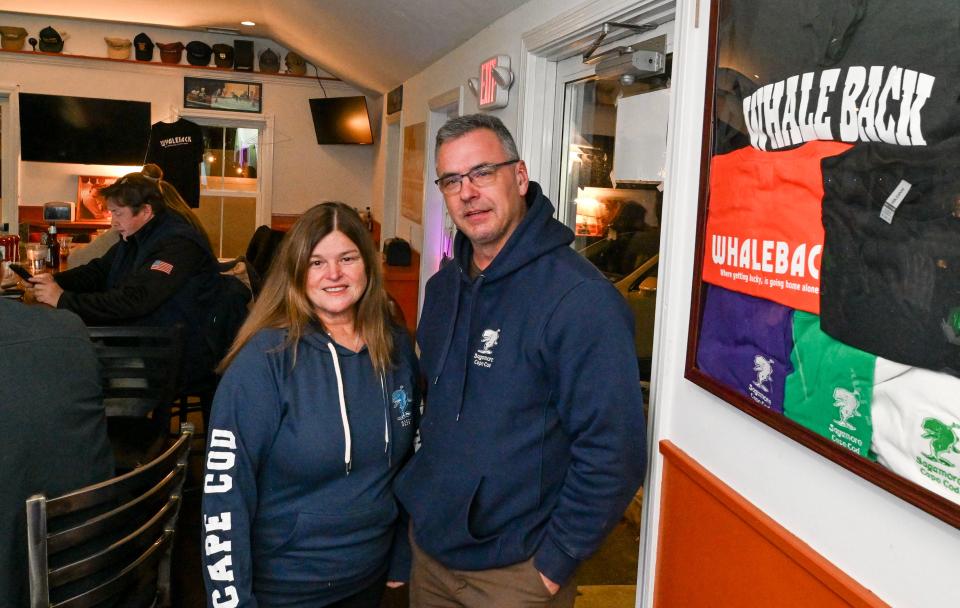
(347, 440)
(450, 330)
(386, 420)
(343, 408)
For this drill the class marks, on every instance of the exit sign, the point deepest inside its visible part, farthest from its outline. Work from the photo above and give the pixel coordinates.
(495, 81)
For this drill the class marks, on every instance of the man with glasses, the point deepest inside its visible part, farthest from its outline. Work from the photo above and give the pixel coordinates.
(533, 431)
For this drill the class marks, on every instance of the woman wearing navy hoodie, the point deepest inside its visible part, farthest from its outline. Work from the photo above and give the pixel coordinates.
(315, 414)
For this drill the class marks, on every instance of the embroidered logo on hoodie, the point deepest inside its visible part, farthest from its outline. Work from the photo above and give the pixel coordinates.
(401, 403)
(759, 389)
(484, 356)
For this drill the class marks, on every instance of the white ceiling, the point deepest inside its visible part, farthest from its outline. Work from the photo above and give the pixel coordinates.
(372, 44)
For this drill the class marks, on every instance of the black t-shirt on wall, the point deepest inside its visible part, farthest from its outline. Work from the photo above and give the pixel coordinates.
(890, 275)
(178, 149)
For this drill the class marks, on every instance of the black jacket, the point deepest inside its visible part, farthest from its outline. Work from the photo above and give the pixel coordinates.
(52, 423)
(163, 274)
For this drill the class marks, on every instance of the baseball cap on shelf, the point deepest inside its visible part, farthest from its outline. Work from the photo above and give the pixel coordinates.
(12, 37)
(170, 52)
(198, 53)
(118, 48)
(295, 64)
(51, 41)
(269, 62)
(143, 47)
(223, 55)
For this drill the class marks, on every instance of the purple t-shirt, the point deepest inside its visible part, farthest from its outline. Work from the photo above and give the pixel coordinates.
(745, 343)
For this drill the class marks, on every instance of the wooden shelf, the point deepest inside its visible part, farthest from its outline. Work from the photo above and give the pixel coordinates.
(156, 63)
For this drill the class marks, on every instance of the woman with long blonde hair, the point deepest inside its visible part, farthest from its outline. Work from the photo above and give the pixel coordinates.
(314, 416)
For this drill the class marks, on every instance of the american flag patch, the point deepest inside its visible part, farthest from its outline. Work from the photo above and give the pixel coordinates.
(162, 266)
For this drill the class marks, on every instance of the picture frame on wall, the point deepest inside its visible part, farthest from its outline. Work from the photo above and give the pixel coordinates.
(414, 157)
(90, 205)
(223, 95)
(794, 321)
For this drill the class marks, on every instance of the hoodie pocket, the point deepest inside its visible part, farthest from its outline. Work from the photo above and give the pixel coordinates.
(472, 517)
(332, 546)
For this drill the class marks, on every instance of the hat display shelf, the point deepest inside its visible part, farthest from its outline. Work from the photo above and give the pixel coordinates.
(121, 49)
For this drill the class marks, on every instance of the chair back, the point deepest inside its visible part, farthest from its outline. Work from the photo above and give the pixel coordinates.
(262, 247)
(139, 368)
(110, 541)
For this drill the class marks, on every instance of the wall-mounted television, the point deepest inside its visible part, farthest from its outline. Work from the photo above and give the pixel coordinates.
(341, 120)
(86, 130)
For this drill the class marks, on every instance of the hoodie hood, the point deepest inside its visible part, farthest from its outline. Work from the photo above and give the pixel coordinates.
(535, 236)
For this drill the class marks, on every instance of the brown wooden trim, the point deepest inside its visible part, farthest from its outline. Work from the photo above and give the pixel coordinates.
(169, 65)
(283, 221)
(698, 294)
(914, 494)
(806, 558)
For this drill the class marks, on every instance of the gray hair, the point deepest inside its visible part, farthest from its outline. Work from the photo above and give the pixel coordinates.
(460, 126)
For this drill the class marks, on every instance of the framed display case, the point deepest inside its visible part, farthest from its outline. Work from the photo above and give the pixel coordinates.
(227, 95)
(90, 205)
(826, 297)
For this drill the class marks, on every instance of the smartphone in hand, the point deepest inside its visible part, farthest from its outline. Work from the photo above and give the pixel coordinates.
(21, 272)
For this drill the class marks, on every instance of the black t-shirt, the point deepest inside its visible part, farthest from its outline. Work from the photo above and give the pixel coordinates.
(845, 70)
(890, 274)
(178, 149)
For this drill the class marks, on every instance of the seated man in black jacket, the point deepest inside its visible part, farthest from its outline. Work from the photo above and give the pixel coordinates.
(160, 273)
(52, 423)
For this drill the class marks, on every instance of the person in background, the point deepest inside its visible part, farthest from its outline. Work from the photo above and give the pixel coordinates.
(533, 430)
(52, 422)
(314, 415)
(99, 246)
(161, 272)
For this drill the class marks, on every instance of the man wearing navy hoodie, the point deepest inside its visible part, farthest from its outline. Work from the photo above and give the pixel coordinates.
(533, 439)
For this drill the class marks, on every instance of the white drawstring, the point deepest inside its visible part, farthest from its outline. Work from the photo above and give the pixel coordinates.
(386, 416)
(343, 408)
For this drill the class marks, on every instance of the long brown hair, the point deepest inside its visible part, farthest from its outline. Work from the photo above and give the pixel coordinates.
(283, 301)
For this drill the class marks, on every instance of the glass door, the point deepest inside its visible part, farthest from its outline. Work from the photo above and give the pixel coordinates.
(612, 154)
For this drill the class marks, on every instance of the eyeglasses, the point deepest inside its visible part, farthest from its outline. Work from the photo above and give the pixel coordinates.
(479, 176)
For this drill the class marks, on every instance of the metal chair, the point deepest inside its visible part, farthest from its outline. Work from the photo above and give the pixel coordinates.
(140, 374)
(140, 367)
(111, 541)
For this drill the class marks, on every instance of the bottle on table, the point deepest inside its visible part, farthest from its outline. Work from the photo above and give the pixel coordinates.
(53, 248)
(368, 219)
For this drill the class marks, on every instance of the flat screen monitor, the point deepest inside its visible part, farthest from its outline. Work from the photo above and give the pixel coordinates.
(86, 130)
(341, 120)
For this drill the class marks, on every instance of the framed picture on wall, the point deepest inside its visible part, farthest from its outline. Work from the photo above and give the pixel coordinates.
(826, 296)
(414, 157)
(90, 205)
(226, 95)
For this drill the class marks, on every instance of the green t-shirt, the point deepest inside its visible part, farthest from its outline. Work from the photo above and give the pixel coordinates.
(831, 387)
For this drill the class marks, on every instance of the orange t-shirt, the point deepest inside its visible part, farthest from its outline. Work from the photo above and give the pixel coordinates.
(764, 233)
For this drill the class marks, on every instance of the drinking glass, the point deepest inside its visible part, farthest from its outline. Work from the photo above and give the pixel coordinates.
(36, 257)
(65, 242)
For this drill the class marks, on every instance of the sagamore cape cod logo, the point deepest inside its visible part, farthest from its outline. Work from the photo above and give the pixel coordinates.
(759, 389)
(484, 355)
(944, 441)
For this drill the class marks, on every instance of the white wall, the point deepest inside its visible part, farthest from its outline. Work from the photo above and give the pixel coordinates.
(502, 37)
(903, 555)
(304, 172)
